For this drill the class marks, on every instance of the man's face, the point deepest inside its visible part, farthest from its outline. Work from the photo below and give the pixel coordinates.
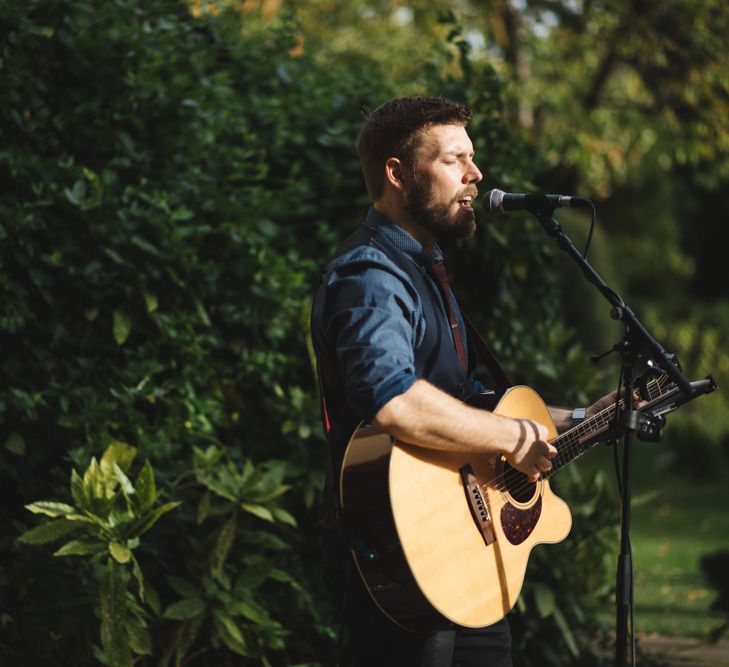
(442, 183)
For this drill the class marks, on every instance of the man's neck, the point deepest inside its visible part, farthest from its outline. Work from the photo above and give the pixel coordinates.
(402, 218)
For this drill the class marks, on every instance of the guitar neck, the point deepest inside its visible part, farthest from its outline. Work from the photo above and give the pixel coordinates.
(576, 441)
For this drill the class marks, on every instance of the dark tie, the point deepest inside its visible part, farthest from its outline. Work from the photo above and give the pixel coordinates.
(438, 270)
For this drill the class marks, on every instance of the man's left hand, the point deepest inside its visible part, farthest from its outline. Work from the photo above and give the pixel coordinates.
(606, 401)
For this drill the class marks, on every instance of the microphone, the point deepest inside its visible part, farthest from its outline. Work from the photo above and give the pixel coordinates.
(497, 202)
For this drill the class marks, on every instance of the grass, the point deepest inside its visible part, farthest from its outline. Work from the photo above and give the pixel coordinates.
(674, 521)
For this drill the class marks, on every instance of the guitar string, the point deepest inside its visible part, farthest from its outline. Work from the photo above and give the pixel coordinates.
(571, 448)
(501, 501)
(567, 452)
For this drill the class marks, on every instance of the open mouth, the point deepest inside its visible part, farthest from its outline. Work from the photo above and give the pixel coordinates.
(466, 202)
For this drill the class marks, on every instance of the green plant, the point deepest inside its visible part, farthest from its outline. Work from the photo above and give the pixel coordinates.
(108, 518)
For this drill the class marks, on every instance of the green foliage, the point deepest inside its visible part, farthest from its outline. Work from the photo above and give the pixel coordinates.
(109, 517)
(110, 511)
(169, 190)
(566, 583)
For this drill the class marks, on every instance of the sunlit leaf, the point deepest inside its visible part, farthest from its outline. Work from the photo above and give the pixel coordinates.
(79, 548)
(119, 453)
(282, 516)
(258, 510)
(50, 508)
(49, 532)
(121, 552)
(122, 326)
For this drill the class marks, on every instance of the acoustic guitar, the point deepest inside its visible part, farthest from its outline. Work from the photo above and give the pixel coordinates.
(442, 538)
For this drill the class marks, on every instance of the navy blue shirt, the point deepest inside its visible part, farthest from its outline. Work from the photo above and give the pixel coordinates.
(372, 317)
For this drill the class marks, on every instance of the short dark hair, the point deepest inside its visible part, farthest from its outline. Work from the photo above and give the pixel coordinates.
(394, 129)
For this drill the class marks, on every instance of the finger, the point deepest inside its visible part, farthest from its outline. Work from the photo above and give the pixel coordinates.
(550, 451)
(544, 465)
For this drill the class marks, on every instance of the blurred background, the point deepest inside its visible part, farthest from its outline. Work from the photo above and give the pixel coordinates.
(173, 175)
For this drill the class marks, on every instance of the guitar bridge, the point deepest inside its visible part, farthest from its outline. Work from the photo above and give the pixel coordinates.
(477, 504)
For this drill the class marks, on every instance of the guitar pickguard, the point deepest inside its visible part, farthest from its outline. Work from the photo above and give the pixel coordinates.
(518, 523)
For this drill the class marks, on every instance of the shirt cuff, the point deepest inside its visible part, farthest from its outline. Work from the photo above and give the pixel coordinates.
(393, 386)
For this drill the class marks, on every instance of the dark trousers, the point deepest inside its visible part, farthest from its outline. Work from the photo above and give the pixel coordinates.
(371, 639)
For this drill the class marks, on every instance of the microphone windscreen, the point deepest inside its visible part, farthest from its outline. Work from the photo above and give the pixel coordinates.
(492, 201)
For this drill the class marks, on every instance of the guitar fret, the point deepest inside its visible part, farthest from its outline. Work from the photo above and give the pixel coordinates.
(569, 444)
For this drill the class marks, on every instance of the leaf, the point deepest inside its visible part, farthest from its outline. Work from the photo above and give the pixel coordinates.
(264, 541)
(254, 613)
(151, 302)
(258, 510)
(120, 552)
(77, 194)
(113, 598)
(203, 508)
(49, 532)
(544, 599)
(219, 488)
(140, 640)
(186, 636)
(143, 244)
(152, 517)
(79, 548)
(152, 598)
(93, 482)
(223, 544)
(184, 609)
(230, 633)
(122, 326)
(15, 444)
(50, 508)
(182, 587)
(77, 491)
(118, 452)
(123, 480)
(137, 572)
(282, 516)
(564, 628)
(146, 487)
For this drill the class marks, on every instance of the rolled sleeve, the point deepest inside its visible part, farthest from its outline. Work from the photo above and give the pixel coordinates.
(373, 320)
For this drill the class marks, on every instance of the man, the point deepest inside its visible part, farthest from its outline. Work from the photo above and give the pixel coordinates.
(392, 350)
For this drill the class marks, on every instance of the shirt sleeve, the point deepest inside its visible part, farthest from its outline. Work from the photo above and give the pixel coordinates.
(373, 320)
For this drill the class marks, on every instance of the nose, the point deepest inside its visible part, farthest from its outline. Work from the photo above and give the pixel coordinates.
(472, 175)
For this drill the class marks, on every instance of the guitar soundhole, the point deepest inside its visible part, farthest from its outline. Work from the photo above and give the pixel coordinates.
(517, 485)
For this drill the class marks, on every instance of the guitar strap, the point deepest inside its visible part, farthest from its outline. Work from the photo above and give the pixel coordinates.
(498, 374)
(331, 515)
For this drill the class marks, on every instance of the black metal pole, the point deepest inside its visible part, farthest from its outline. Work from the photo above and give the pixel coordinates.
(624, 583)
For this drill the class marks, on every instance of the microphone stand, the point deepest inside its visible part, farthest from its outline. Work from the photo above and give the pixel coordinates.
(636, 342)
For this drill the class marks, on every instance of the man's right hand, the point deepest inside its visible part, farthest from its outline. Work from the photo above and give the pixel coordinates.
(531, 452)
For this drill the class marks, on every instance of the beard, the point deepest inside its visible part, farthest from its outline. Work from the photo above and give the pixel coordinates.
(438, 218)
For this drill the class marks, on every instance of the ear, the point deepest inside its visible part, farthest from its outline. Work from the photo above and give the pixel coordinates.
(394, 175)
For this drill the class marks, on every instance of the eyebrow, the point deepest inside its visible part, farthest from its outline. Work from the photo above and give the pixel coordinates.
(458, 150)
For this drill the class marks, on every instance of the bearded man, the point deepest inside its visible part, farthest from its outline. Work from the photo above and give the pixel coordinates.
(392, 350)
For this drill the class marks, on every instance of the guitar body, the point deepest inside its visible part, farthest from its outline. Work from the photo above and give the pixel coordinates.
(420, 545)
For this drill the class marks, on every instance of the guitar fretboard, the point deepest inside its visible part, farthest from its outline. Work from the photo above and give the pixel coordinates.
(579, 439)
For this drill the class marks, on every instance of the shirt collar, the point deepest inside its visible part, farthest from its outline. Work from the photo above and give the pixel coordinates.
(401, 239)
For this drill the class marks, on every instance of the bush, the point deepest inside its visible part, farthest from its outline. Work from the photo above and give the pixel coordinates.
(172, 184)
